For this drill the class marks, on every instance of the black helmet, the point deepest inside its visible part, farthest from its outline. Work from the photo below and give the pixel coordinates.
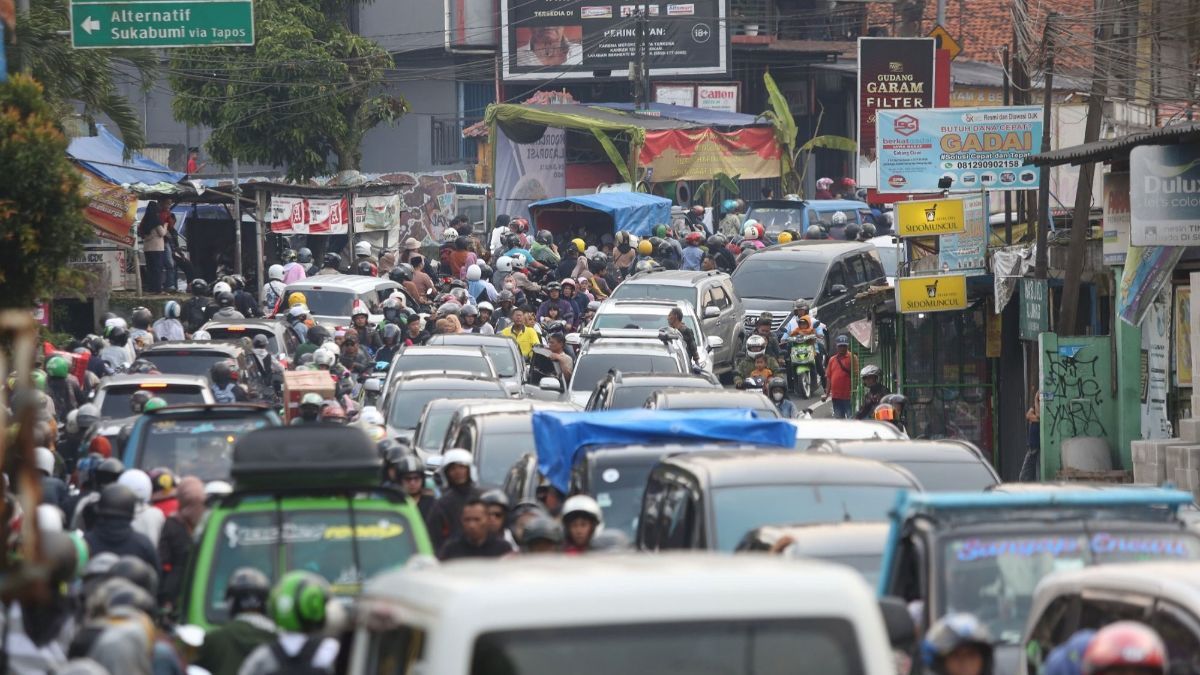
(485, 270)
(225, 299)
(814, 232)
(716, 241)
(401, 273)
(238, 282)
(289, 255)
(134, 569)
(304, 255)
(512, 240)
(199, 287)
(868, 230)
(118, 336)
(777, 382)
(495, 497)
(545, 237)
(365, 268)
(390, 333)
(405, 462)
(461, 243)
(117, 501)
(141, 318)
(333, 260)
(94, 344)
(553, 286)
(221, 372)
(137, 400)
(542, 528)
(895, 399)
(108, 471)
(851, 232)
(247, 591)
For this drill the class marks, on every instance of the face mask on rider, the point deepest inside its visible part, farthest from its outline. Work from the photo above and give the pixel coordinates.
(260, 353)
(777, 396)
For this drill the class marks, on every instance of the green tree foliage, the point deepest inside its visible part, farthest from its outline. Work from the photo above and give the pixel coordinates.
(41, 209)
(308, 91)
(86, 76)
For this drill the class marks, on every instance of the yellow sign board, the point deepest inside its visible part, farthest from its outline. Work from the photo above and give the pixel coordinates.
(934, 293)
(930, 218)
(946, 41)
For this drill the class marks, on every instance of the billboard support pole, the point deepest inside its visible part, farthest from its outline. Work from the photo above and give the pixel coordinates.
(1041, 261)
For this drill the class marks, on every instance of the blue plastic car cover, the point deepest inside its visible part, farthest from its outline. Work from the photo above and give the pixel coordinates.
(561, 437)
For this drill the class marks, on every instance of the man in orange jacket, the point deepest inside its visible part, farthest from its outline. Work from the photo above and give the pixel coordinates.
(839, 373)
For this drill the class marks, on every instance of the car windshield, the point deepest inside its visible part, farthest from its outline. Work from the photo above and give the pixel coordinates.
(503, 359)
(950, 476)
(743, 508)
(116, 398)
(184, 362)
(320, 541)
(824, 645)
(777, 219)
(994, 576)
(890, 257)
(433, 429)
(406, 405)
(866, 564)
(200, 447)
(778, 279)
(471, 363)
(618, 488)
(592, 367)
(238, 332)
(498, 451)
(641, 321)
(651, 291)
(328, 302)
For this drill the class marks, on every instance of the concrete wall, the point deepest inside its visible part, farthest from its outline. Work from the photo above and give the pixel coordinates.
(1076, 376)
(406, 146)
(404, 25)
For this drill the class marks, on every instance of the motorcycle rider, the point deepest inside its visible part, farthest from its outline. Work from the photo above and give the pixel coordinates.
(731, 222)
(475, 538)
(722, 256)
(478, 288)
(225, 307)
(243, 300)
(116, 353)
(227, 646)
(304, 256)
(756, 347)
(1128, 648)
(62, 387)
(331, 264)
(802, 324)
(298, 605)
(310, 409)
(406, 472)
(752, 235)
(140, 334)
(169, 327)
(958, 644)
(273, 290)
(295, 269)
(777, 389)
(543, 249)
(224, 386)
(367, 337)
(445, 519)
(898, 402)
(566, 310)
(762, 326)
(873, 392)
(581, 519)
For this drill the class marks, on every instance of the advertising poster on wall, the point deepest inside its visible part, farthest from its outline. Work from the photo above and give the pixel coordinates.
(380, 212)
(1116, 217)
(1156, 350)
(110, 208)
(1164, 194)
(893, 74)
(301, 215)
(529, 172)
(976, 148)
(551, 39)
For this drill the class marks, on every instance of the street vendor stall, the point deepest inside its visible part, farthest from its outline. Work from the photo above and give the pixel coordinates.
(591, 216)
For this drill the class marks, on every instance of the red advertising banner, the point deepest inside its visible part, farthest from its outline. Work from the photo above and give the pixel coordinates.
(110, 208)
(300, 215)
(698, 154)
(893, 74)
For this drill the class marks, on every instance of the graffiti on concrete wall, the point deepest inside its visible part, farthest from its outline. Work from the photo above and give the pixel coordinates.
(1073, 392)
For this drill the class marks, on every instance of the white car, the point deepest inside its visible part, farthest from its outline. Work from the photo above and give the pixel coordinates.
(330, 298)
(817, 431)
(616, 314)
(630, 351)
(669, 613)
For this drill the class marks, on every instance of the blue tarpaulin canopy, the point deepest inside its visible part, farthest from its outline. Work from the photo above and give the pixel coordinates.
(633, 212)
(560, 437)
(103, 155)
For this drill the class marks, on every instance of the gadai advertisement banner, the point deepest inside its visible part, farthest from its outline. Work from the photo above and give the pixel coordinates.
(976, 148)
(893, 74)
(552, 39)
(1164, 195)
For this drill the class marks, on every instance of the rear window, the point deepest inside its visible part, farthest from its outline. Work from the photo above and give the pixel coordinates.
(950, 476)
(237, 333)
(640, 291)
(641, 321)
(185, 362)
(116, 398)
(498, 451)
(592, 367)
(407, 363)
(328, 302)
(404, 409)
(320, 541)
(776, 220)
(194, 447)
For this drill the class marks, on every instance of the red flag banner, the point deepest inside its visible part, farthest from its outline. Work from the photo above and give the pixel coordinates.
(698, 154)
(300, 215)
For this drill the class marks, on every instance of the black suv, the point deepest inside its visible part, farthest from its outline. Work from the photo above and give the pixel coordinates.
(828, 273)
(630, 390)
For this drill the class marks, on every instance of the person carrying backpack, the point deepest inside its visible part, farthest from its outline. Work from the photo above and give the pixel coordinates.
(297, 604)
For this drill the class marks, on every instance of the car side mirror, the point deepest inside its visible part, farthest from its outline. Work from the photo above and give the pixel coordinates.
(901, 629)
(550, 384)
(714, 342)
(712, 312)
(837, 289)
(573, 339)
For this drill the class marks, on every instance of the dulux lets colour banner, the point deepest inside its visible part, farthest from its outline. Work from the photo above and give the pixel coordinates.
(974, 147)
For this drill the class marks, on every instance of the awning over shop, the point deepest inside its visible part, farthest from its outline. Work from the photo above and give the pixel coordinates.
(1118, 148)
(633, 212)
(103, 155)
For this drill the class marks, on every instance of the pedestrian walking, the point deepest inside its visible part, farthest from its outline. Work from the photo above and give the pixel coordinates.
(839, 373)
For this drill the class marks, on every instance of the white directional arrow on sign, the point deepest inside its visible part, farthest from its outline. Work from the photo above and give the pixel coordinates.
(89, 24)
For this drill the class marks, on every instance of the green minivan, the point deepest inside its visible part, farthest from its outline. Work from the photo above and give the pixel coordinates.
(304, 498)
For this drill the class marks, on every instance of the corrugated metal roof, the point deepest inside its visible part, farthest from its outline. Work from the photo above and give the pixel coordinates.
(1117, 148)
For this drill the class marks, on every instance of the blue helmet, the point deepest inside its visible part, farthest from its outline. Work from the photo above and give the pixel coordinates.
(1067, 658)
(729, 205)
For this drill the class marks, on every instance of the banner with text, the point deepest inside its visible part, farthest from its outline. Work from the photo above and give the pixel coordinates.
(893, 74)
(110, 208)
(529, 172)
(301, 215)
(698, 154)
(1164, 193)
(1156, 364)
(933, 293)
(380, 212)
(974, 147)
(1116, 217)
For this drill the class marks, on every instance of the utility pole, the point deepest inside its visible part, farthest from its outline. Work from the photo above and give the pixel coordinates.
(1007, 60)
(639, 61)
(1080, 222)
(941, 13)
(1041, 261)
(237, 220)
(647, 96)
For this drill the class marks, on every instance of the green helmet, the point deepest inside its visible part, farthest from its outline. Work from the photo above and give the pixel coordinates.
(297, 602)
(660, 230)
(39, 380)
(58, 367)
(154, 404)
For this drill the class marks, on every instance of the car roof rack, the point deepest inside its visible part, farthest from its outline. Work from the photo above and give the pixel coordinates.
(315, 457)
(664, 335)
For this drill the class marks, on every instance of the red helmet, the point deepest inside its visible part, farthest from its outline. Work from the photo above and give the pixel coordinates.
(1125, 644)
(847, 182)
(518, 225)
(694, 238)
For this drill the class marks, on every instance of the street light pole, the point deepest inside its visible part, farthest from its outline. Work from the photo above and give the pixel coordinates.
(1041, 260)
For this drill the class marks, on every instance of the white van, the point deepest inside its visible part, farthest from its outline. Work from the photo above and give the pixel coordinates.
(622, 615)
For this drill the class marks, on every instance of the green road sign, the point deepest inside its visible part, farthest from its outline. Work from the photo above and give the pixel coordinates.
(1035, 309)
(97, 24)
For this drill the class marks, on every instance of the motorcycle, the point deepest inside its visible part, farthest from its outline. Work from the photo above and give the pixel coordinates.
(802, 364)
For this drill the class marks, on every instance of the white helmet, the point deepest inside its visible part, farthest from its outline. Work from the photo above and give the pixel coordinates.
(449, 233)
(518, 261)
(504, 264)
(298, 311)
(474, 273)
(756, 345)
(331, 347)
(137, 481)
(221, 287)
(44, 460)
(49, 518)
(323, 357)
(870, 370)
(216, 488)
(838, 218)
(486, 305)
(362, 248)
(275, 272)
(201, 335)
(371, 415)
(750, 231)
(457, 456)
(582, 505)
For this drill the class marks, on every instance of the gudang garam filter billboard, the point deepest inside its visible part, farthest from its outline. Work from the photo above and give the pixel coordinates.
(893, 73)
(565, 39)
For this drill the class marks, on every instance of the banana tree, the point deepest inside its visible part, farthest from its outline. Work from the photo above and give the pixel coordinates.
(780, 116)
(706, 192)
